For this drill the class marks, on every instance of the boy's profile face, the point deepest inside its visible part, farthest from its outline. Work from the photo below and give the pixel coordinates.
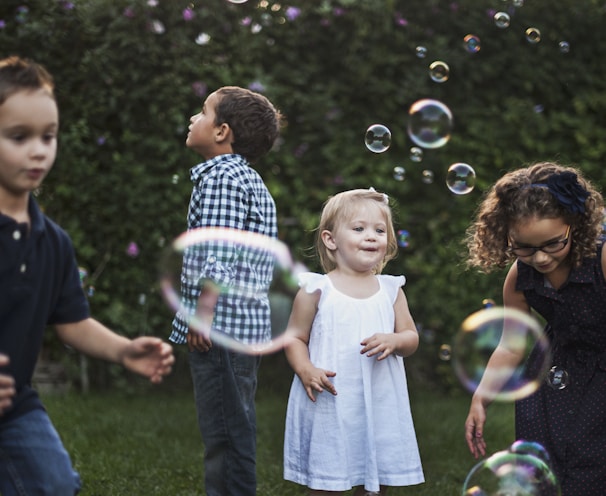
(29, 123)
(204, 136)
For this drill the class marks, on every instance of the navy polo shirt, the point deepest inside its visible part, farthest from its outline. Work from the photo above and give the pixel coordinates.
(39, 286)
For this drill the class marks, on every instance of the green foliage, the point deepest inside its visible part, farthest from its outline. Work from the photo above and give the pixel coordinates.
(129, 74)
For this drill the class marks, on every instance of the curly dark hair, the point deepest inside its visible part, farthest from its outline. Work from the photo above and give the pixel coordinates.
(513, 199)
(253, 119)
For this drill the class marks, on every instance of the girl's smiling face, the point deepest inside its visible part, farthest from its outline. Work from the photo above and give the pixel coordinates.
(549, 239)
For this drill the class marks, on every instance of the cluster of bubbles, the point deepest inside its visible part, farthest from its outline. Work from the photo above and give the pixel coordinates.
(198, 252)
(524, 469)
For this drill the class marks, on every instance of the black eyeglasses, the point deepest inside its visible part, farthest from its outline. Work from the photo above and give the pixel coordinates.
(551, 247)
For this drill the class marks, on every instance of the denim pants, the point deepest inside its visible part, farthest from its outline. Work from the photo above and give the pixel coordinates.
(33, 460)
(225, 384)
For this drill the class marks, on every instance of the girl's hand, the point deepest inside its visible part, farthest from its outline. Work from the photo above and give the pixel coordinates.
(315, 379)
(474, 428)
(382, 343)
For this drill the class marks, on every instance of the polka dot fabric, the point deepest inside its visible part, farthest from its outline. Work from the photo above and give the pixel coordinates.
(571, 422)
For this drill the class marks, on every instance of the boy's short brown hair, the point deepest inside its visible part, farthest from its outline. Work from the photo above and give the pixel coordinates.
(17, 74)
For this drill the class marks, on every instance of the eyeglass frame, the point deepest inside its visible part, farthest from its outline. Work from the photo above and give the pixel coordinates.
(563, 241)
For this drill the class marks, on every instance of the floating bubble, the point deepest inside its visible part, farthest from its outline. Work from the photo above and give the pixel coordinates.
(502, 20)
(564, 46)
(399, 173)
(403, 238)
(83, 275)
(421, 52)
(471, 42)
(460, 178)
(439, 71)
(518, 3)
(507, 473)
(429, 123)
(513, 334)
(427, 176)
(416, 154)
(445, 352)
(488, 303)
(533, 448)
(205, 265)
(377, 138)
(533, 35)
(558, 378)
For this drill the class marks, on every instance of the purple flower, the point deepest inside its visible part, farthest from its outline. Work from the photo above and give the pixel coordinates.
(292, 13)
(188, 14)
(101, 140)
(67, 5)
(2, 24)
(200, 89)
(132, 250)
(256, 86)
(129, 12)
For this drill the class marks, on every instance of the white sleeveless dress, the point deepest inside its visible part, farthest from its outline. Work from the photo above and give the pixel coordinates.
(365, 434)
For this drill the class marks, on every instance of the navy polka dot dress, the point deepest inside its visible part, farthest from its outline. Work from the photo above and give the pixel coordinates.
(570, 422)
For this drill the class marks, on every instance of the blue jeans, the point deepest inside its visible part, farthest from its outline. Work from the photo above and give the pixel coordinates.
(33, 460)
(225, 384)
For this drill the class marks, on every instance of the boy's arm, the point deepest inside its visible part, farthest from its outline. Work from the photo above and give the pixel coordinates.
(7, 387)
(146, 355)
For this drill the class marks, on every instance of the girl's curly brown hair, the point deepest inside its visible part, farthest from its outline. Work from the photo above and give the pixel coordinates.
(513, 199)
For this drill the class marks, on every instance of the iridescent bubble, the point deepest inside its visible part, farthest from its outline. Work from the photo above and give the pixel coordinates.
(460, 178)
(564, 46)
(533, 448)
(403, 238)
(533, 35)
(439, 72)
(515, 334)
(416, 154)
(205, 264)
(377, 138)
(427, 176)
(471, 42)
(445, 353)
(558, 378)
(507, 473)
(488, 303)
(399, 173)
(502, 20)
(429, 123)
(83, 275)
(421, 52)
(518, 3)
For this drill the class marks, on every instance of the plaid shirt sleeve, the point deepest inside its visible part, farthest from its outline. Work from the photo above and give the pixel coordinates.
(229, 194)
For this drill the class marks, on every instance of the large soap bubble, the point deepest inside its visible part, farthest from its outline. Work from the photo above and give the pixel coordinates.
(523, 348)
(429, 123)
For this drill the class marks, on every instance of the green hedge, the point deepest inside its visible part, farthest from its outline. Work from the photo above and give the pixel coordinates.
(130, 73)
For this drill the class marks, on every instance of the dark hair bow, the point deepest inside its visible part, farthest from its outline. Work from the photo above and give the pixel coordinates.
(566, 189)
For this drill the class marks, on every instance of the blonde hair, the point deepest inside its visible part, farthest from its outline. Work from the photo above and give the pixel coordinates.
(341, 207)
(521, 195)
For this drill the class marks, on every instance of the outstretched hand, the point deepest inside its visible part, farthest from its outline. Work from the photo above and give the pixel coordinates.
(7, 387)
(315, 379)
(150, 357)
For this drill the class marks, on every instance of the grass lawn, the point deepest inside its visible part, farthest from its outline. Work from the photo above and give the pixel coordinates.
(147, 443)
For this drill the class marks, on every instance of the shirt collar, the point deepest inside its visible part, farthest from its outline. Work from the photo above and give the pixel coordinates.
(199, 170)
(36, 217)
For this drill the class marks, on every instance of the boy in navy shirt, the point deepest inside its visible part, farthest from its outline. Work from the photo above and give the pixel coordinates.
(40, 286)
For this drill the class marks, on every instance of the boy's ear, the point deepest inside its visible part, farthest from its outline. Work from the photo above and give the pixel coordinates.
(223, 133)
(328, 240)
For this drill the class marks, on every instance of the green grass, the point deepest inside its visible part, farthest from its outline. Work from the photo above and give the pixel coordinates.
(147, 443)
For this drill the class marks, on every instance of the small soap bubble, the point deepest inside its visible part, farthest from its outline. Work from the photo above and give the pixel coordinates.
(427, 176)
(514, 332)
(403, 238)
(460, 178)
(488, 303)
(439, 71)
(533, 448)
(377, 138)
(206, 265)
(399, 173)
(564, 46)
(502, 20)
(558, 378)
(471, 42)
(416, 154)
(518, 3)
(421, 52)
(429, 123)
(533, 35)
(511, 473)
(445, 352)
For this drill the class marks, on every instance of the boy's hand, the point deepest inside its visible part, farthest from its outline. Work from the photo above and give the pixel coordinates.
(7, 387)
(150, 357)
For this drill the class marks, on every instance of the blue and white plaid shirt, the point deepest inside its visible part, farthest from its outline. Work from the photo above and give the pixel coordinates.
(230, 194)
